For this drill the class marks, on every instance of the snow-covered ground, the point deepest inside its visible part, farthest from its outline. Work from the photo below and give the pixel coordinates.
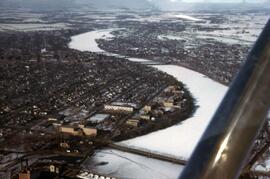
(227, 40)
(138, 60)
(235, 29)
(126, 166)
(186, 17)
(170, 37)
(244, 28)
(33, 27)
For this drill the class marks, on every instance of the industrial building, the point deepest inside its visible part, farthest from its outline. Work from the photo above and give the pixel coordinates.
(147, 108)
(119, 108)
(133, 122)
(79, 131)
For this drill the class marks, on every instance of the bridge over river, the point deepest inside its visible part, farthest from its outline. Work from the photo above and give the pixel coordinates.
(148, 154)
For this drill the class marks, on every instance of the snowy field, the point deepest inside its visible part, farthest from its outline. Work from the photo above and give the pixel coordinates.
(170, 37)
(32, 27)
(235, 29)
(185, 17)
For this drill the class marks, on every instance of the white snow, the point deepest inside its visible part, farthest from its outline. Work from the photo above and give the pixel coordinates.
(264, 166)
(138, 60)
(228, 40)
(33, 26)
(181, 139)
(127, 166)
(186, 17)
(87, 41)
(170, 37)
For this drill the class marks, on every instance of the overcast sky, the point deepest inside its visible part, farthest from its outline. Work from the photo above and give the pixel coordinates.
(236, 1)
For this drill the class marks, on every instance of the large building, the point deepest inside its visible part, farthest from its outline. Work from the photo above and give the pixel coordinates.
(79, 131)
(120, 107)
(133, 122)
(69, 129)
(147, 109)
(98, 118)
(88, 131)
(25, 175)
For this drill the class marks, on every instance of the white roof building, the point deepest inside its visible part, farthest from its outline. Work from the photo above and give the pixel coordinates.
(98, 118)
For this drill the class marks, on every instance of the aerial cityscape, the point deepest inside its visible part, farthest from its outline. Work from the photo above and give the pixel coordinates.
(117, 89)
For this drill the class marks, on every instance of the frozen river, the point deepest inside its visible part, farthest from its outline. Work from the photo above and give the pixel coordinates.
(178, 140)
